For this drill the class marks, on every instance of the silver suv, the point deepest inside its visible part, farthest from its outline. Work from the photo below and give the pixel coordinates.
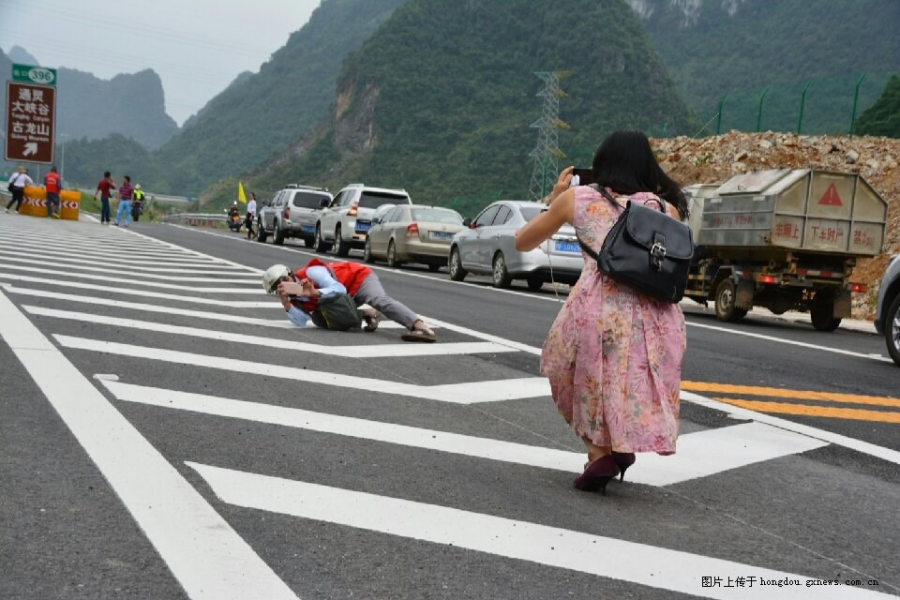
(346, 221)
(293, 212)
(887, 314)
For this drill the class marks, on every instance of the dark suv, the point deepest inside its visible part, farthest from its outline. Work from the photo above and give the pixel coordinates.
(293, 212)
(887, 315)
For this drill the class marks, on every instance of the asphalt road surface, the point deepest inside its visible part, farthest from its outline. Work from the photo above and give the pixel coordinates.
(165, 433)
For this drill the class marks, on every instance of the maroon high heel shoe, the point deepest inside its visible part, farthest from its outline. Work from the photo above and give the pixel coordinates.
(623, 460)
(597, 475)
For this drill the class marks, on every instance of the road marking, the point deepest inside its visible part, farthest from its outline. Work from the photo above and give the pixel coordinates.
(700, 454)
(207, 557)
(770, 392)
(496, 390)
(69, 241)
(806, 410)
(101, 251)
(124, 263)
(255, 291)
(770, 338)
(642, 564)
(80, 265)
(196, 253)
(357, 351)
(145, 293)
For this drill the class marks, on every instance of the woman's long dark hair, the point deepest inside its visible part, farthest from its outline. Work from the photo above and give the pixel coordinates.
(624, 162)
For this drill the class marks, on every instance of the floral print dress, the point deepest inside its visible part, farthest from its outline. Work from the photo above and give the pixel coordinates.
(613, 355)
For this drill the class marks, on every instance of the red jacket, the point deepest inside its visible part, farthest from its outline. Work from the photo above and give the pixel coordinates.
(51, 182)
(348, 274)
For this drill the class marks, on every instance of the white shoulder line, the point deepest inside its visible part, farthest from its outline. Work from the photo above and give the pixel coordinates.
(207, 557)
(457, 393)
(357, 351)
(700, 454)
(642, 564)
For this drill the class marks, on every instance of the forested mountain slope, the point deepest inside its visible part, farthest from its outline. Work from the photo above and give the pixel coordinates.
(440, 99)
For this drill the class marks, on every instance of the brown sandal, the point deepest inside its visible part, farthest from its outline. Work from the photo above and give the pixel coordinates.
(419, 335)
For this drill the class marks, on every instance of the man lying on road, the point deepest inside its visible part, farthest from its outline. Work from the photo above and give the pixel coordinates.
(314, 292)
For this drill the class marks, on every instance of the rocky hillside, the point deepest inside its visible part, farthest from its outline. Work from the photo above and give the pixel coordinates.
(715, 159)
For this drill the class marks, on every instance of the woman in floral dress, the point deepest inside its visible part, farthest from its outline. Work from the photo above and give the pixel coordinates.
(613, 355)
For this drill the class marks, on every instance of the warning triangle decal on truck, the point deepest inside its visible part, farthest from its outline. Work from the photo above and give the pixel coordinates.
(831, 197)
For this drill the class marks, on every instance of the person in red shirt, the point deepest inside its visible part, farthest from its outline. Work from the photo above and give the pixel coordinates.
(105, 188)
(53, 184)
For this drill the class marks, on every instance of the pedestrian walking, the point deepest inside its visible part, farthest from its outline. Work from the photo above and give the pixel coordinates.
(17, 183)
(613, 356)
(125, 194)
(303, 291)
(53, 184)
(251, 215)
(105, 188)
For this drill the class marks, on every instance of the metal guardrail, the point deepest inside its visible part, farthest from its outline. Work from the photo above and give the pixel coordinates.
(195, 219)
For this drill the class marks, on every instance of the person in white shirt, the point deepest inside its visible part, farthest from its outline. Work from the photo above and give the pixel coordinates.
(251, 215)
(17, 183)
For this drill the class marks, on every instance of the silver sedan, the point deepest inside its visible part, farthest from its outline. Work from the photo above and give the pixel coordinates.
(488, 247)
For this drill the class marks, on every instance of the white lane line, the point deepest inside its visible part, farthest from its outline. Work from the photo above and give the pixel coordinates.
(892, 456)
(483, 336)
(106, 244)
(145, 293)
(100, 250)
(124, 263)
(153, 308)
(199, 254)
(642, 564)
(700, 454)
(770, 338)
(63, 272)
(456, 393)
(83, 265)
(207, 557)
(365, 351)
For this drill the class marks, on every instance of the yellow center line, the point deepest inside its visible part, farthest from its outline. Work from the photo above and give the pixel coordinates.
(725, 388)
(786, 408)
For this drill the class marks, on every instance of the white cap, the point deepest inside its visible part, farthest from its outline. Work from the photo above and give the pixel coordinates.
(273, 276)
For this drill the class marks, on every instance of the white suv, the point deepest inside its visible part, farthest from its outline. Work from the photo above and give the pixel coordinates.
(346, 221)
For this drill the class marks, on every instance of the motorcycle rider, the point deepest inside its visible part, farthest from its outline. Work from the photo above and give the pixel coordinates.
(234, 217)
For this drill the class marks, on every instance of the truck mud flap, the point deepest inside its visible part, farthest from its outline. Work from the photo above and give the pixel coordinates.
(744, 294)
(842, 306)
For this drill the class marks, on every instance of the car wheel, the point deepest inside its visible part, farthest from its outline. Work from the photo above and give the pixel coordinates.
(821, 314)
(279, 235)
(457, 273)
(535, 284)
(392, 256)
(341, 248)
(726, 295)
(434, 267)
(367, 252)
(500, 275)
(892, 329)
(320, 244)
(261, 234)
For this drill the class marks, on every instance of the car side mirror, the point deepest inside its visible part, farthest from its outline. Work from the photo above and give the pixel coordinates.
(324, 202)
(376, 220)
(468, 223)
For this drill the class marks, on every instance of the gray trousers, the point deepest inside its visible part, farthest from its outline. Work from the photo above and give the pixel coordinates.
(371, 293)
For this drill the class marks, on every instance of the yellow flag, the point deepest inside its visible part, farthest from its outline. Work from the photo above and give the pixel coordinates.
(241, 196)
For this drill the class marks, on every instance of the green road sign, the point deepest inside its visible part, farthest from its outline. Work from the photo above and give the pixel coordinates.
(33, 74)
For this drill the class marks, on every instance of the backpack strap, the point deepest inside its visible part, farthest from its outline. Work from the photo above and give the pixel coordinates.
(602, 191)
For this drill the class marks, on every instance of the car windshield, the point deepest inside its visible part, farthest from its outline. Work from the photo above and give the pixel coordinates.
(436, 215)
(376, 199)
(308, 200)
(530, 212)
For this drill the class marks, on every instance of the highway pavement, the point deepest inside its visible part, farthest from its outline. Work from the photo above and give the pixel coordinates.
(166, 433)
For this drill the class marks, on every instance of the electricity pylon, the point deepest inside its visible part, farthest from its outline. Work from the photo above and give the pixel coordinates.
(546, 154)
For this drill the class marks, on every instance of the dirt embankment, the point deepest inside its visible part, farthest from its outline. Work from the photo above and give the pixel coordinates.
(715, 159)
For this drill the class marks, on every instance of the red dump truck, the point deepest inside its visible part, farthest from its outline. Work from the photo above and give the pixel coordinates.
(784, 239)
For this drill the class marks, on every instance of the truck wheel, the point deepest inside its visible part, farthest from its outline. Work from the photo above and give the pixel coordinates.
(320, 244)
(457, 273)
(499, 275)
(341, 248)
(726, 295)
(822, 315)
(892, 329)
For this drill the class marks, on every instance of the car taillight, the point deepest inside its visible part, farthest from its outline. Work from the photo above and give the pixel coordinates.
(287, 213)
(352, 212)
(412, 230)
(859, 287)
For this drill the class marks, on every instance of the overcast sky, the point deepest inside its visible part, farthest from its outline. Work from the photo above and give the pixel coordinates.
(197, 47)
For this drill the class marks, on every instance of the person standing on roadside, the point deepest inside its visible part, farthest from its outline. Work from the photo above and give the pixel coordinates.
(613, 355)
(53, 184)
(251, 215)
(17, 184)
(137, 202)
(105, 188)
(125, 194)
